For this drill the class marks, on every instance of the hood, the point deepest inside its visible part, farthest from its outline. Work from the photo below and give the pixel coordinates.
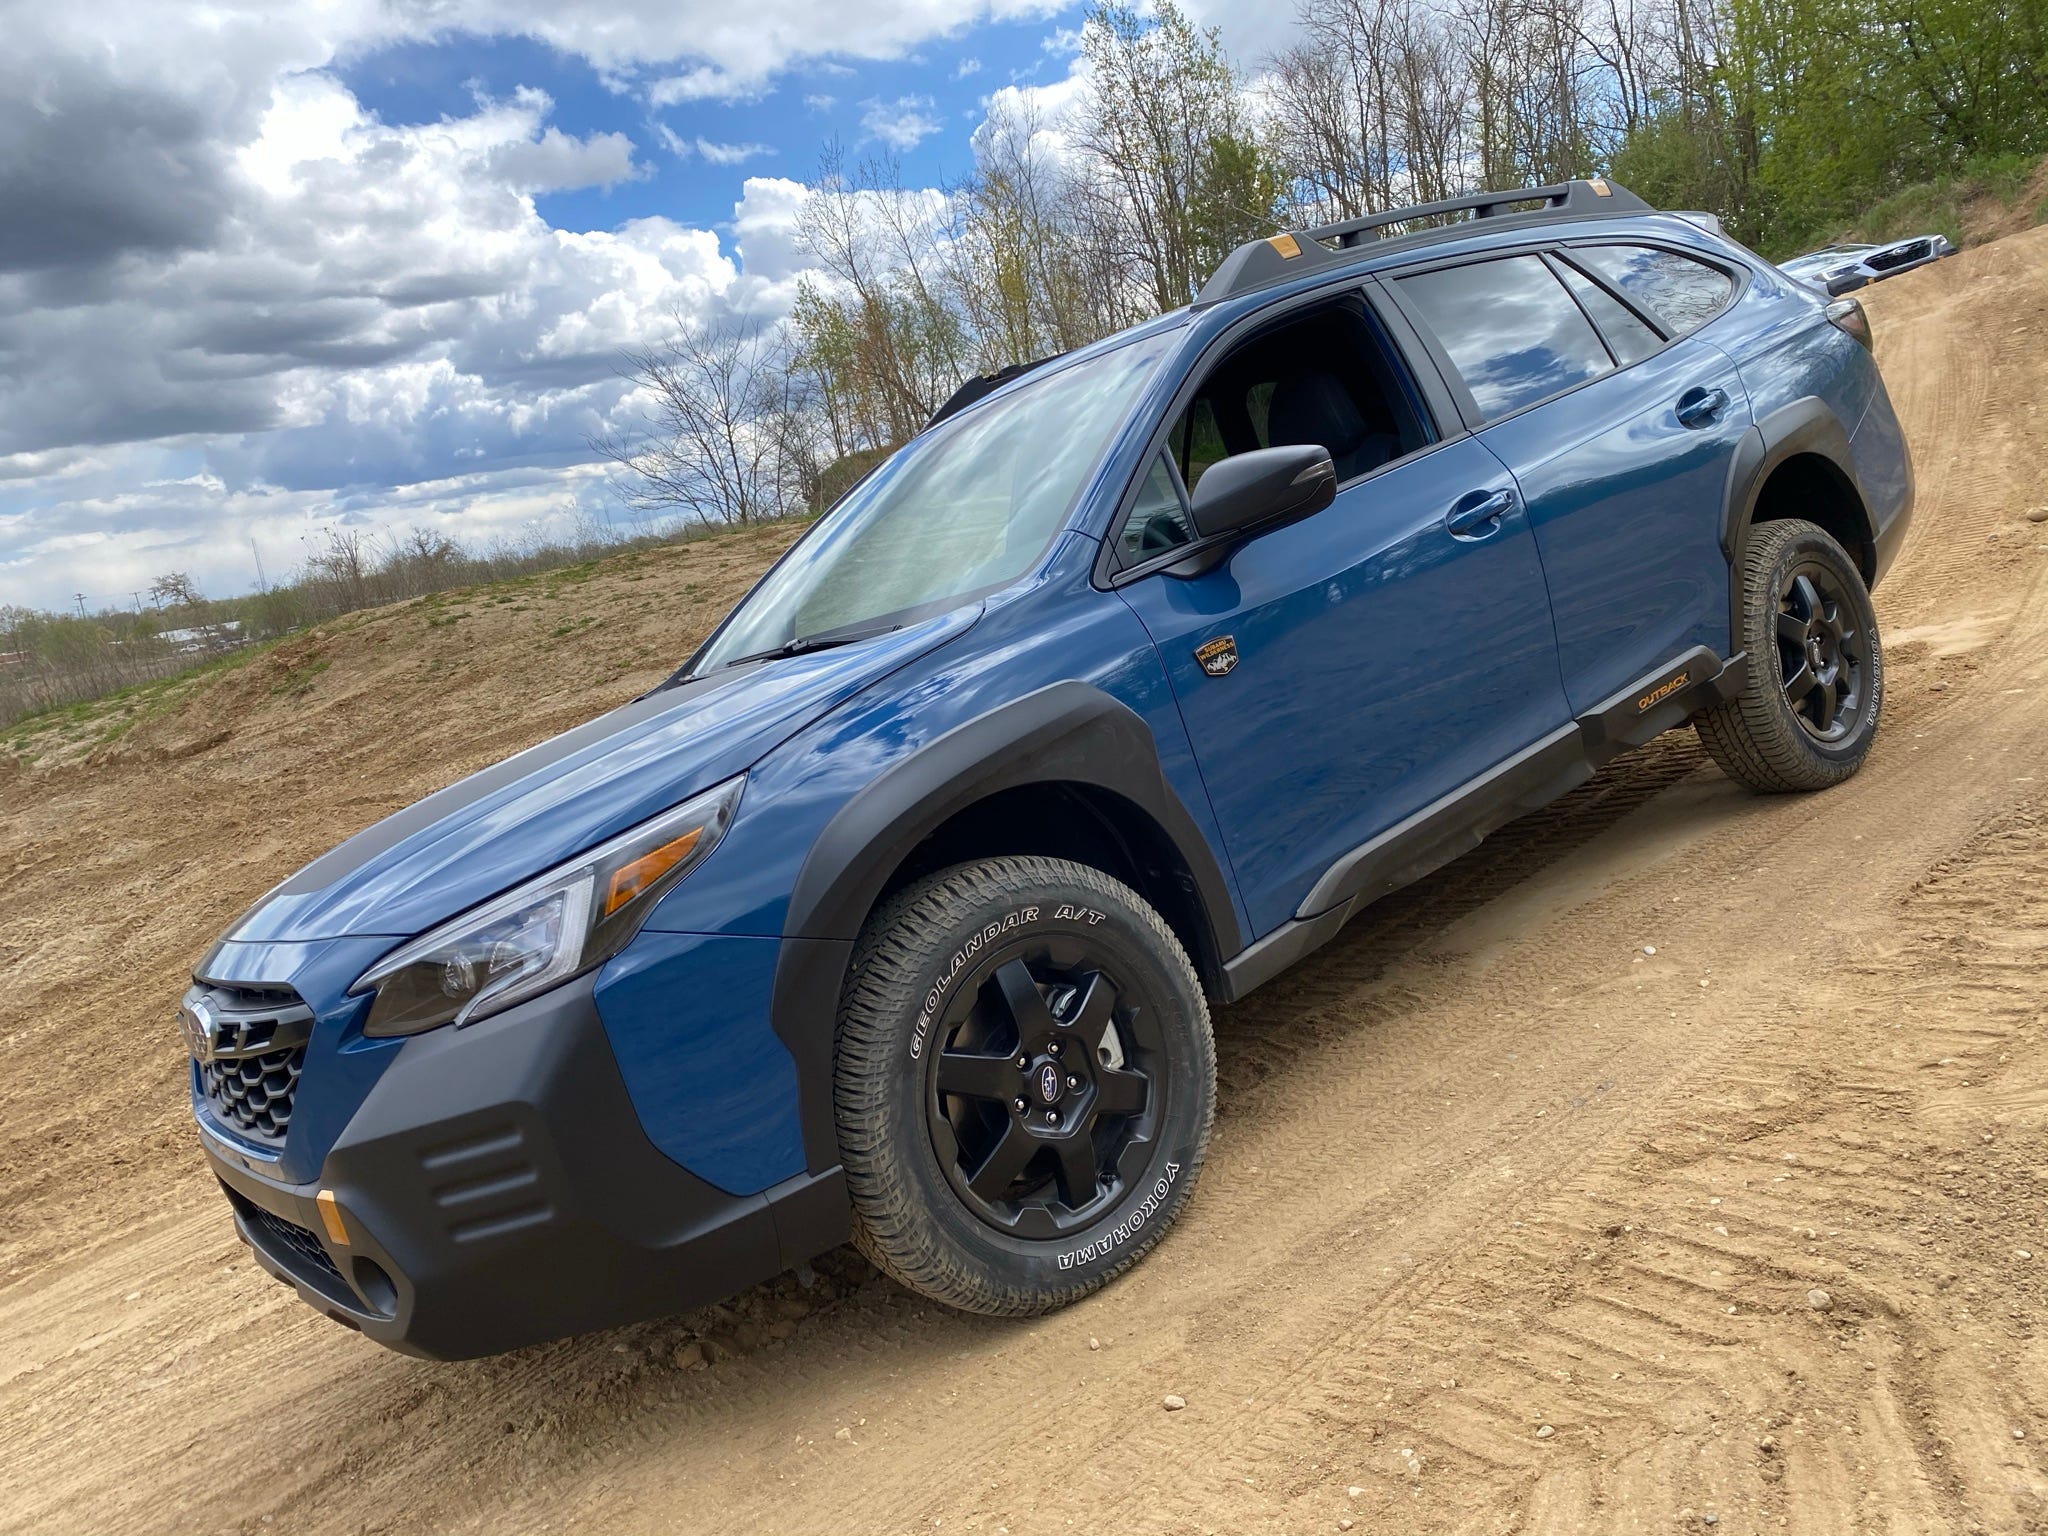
(506, 824)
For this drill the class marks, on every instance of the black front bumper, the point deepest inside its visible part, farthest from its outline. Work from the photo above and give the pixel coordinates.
(496, 1190)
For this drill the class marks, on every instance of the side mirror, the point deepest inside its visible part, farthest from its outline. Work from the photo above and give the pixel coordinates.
(1263, 488)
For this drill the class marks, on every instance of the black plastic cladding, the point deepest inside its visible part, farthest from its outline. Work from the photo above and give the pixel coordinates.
(1069, 732)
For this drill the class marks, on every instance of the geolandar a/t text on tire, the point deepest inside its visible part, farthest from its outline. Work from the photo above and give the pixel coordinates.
(897, 915)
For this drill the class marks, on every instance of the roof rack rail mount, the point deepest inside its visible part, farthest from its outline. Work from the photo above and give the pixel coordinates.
(1261, 263)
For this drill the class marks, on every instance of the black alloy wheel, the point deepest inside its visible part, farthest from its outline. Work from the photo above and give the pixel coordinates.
(1024, 1085)
(1043, 1095)
(1821, 652)
(1812, 689)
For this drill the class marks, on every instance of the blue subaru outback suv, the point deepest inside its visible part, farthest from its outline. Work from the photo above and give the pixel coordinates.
(895, 915)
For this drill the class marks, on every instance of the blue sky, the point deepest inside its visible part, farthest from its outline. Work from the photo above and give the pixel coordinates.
(273, 268)
(943, 84)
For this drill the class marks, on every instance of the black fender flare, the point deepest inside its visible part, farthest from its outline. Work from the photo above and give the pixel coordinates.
(1069, 732)
(1805, 426)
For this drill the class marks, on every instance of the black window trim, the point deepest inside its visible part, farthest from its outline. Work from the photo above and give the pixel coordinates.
(1739, 276)
(1558, 267)
(1562, 257)
(1433, 400)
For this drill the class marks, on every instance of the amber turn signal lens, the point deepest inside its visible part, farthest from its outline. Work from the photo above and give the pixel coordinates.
(629, 880)
(330, 1218)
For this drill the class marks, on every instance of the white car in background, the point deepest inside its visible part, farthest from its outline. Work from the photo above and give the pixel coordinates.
(1845, 268)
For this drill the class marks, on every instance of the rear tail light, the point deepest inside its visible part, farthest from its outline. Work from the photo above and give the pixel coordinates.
(1847, 315)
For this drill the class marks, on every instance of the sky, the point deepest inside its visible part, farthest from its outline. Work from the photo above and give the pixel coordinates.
(269, 269)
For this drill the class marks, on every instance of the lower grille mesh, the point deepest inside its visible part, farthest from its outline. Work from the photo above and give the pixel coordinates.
(292, 1245)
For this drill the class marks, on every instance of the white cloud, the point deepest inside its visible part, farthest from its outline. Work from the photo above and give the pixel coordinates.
(555, 162)
(236, 304)
(707, 84)
(967, 67)
(818, 101)
(732, 154)
(902, 123)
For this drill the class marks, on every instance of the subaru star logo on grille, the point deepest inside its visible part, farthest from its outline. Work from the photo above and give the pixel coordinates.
(1048, 1082)
(202, 1036)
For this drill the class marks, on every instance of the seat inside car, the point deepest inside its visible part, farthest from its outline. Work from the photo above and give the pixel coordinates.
(1316, 407)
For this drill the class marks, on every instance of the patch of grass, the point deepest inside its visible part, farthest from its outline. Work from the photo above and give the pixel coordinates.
(113, 715)
(1956, 206)
(444, 620)
(298, 681)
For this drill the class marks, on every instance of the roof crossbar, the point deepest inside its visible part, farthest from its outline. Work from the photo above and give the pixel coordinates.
(1260, 263)
(1482, 205)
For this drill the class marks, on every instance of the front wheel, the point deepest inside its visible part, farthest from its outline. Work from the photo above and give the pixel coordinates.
(1024, 1086)
(1808, 710)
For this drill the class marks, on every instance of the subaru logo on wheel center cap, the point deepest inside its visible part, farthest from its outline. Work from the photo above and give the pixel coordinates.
(1049, 1082)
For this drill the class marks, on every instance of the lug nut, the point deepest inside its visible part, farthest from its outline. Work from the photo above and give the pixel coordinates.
(1054, 1047)
(1052, 1117)
(1017, 1105)
(1073, 1081)
(1023, 1062)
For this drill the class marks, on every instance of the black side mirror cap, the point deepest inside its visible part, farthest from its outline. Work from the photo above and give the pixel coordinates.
(1252, 491)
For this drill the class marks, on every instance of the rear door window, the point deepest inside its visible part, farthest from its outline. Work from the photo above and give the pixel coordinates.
(1682, 293)
(1511, 330)
(1627, 337)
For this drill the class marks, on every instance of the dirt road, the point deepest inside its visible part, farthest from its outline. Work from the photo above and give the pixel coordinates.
(1510, 1224)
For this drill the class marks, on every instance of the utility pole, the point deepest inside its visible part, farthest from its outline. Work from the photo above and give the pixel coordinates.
(262, 583)
(80, 600)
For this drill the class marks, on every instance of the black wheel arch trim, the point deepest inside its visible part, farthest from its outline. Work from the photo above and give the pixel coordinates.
(1807, 425)
(1067, 733)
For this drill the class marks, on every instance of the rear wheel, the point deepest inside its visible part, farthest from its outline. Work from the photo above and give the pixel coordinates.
(1808, 710)
(1024, 1086)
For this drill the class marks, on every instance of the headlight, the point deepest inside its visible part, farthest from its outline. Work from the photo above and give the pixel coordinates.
(555, 926)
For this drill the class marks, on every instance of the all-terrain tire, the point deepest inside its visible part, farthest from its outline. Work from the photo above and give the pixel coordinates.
(938, 966)
(1763, 737)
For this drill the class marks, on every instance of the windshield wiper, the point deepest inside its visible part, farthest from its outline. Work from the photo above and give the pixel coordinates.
(825, 640)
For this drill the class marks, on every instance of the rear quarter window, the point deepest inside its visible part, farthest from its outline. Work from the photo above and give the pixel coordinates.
(1682, 293)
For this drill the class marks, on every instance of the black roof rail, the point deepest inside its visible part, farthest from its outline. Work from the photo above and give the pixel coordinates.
(1261, 263)
(985, 384)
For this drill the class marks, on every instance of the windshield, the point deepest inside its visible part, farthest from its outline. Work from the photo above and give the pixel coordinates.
(965, 507)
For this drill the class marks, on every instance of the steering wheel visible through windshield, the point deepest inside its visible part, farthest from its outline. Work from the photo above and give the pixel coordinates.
(964, 508)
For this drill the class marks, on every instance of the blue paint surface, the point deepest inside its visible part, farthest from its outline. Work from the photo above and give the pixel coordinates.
(713, 1085)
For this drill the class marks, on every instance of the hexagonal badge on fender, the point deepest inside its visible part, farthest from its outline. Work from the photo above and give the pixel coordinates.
(1219, 656)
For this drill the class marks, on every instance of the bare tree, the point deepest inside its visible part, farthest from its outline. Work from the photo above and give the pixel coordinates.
(1178, 176)
(721, 439)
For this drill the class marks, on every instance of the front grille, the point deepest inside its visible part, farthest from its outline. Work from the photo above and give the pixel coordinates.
(295, 1248)
(250, 1046)
(1884, 261)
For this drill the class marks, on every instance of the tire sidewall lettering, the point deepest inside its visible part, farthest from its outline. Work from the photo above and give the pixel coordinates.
(960, 960)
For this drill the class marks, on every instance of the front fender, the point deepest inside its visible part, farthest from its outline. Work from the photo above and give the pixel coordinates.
(1069, 732)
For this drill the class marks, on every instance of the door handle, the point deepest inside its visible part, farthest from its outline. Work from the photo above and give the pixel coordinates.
(1479, 514)
(1699, 407)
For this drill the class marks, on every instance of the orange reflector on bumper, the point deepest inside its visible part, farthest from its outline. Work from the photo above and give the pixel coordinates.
(330, 1218)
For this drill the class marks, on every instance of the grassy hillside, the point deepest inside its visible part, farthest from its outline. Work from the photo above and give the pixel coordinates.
(1991, 198)
(506, 662)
